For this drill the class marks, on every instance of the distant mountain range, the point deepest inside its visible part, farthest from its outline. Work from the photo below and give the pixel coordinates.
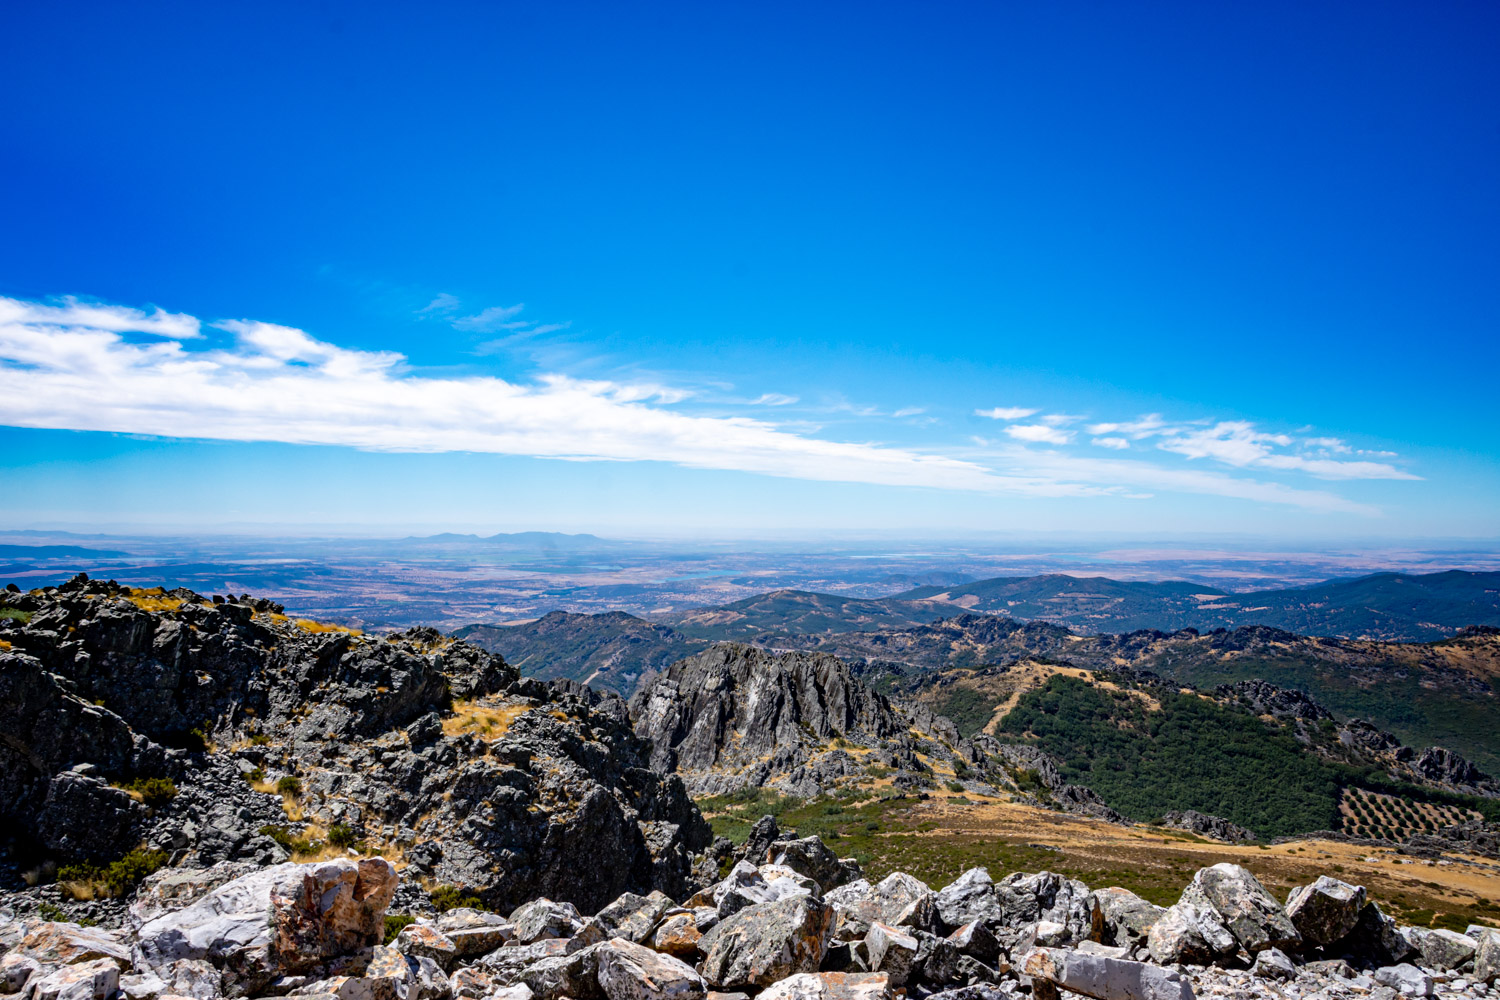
(1393, 606)
(1439, 689)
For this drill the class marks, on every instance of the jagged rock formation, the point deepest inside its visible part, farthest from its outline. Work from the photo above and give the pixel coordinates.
(736, 716)
(270, 732)
(1210, 826)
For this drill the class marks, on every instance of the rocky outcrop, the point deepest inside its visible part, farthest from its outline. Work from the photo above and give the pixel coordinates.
(257, 729)
(736, 716)
(1209, 826)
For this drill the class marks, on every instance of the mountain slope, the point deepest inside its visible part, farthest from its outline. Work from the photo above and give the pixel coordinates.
(1390, 606)
(611, 651)
(799, 612)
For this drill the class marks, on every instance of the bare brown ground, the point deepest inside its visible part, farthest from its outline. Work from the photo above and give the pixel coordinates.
(1162, 861)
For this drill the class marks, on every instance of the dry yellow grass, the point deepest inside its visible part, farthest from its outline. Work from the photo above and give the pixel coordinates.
(154, 599)
(487, 721)
(308, 625)
(4, 644)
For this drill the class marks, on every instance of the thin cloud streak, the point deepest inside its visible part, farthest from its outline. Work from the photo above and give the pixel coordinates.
(279, 384)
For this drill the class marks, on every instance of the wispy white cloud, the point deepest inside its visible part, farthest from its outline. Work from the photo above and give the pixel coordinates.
(1039, 434)
(273, 383)
(1006, 413)
(490, 320)
(85, 366)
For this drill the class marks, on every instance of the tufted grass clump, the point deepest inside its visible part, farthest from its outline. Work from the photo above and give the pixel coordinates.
(289, 785)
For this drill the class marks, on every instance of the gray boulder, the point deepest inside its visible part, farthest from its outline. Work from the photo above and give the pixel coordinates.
(969, 898)
(544, 918)
(1244, 906)
(1190, 933)
(811, 857)
(1326, 911)
(630, 971)
(1127, 919)
(634, 917)
(1408, 980)
(766, 942)
(1273, 963)
(283, 920)
(1104, 978)
(1442, 950)
(891, 951)
(1487, 958)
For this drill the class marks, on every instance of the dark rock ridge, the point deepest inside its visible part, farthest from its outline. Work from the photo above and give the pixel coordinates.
(736, 716)
(506, 787)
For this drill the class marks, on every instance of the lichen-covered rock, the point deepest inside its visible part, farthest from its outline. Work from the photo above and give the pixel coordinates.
(1105, 978)
(634, 917)
(766, 942)
(1244, 906)
(1487, 958)
(891, 951)
(425, 941)
(168, 889)
(678, 936)
(1191, 933)
(474, 932)
(97, 979)
(545, 918)
(630, 971)
(279, 921)
(1127, 918)
(192, 977)
(1442, 949)
(1326, 911)
(67, 944)
(830, 986)
(16, 970)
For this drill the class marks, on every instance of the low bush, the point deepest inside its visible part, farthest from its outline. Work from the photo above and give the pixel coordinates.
(289, 785)
(153, 791)
(393, 924)
(451, 897)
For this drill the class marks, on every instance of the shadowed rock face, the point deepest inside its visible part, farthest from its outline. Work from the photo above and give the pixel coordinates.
(547, 792)
(733, 715)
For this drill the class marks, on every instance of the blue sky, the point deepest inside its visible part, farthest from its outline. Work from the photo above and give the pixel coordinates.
(742, 269)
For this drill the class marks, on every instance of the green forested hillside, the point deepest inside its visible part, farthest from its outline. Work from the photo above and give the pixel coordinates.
(1191, 754)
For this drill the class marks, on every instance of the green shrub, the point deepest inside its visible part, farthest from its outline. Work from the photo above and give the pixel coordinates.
(278, 834)
(259, 740)
(289, 785)
(342, 835)
(153, 791)
(451, 897)
(393, 924)
(955, 786)
(255, 774)
(115, 879)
